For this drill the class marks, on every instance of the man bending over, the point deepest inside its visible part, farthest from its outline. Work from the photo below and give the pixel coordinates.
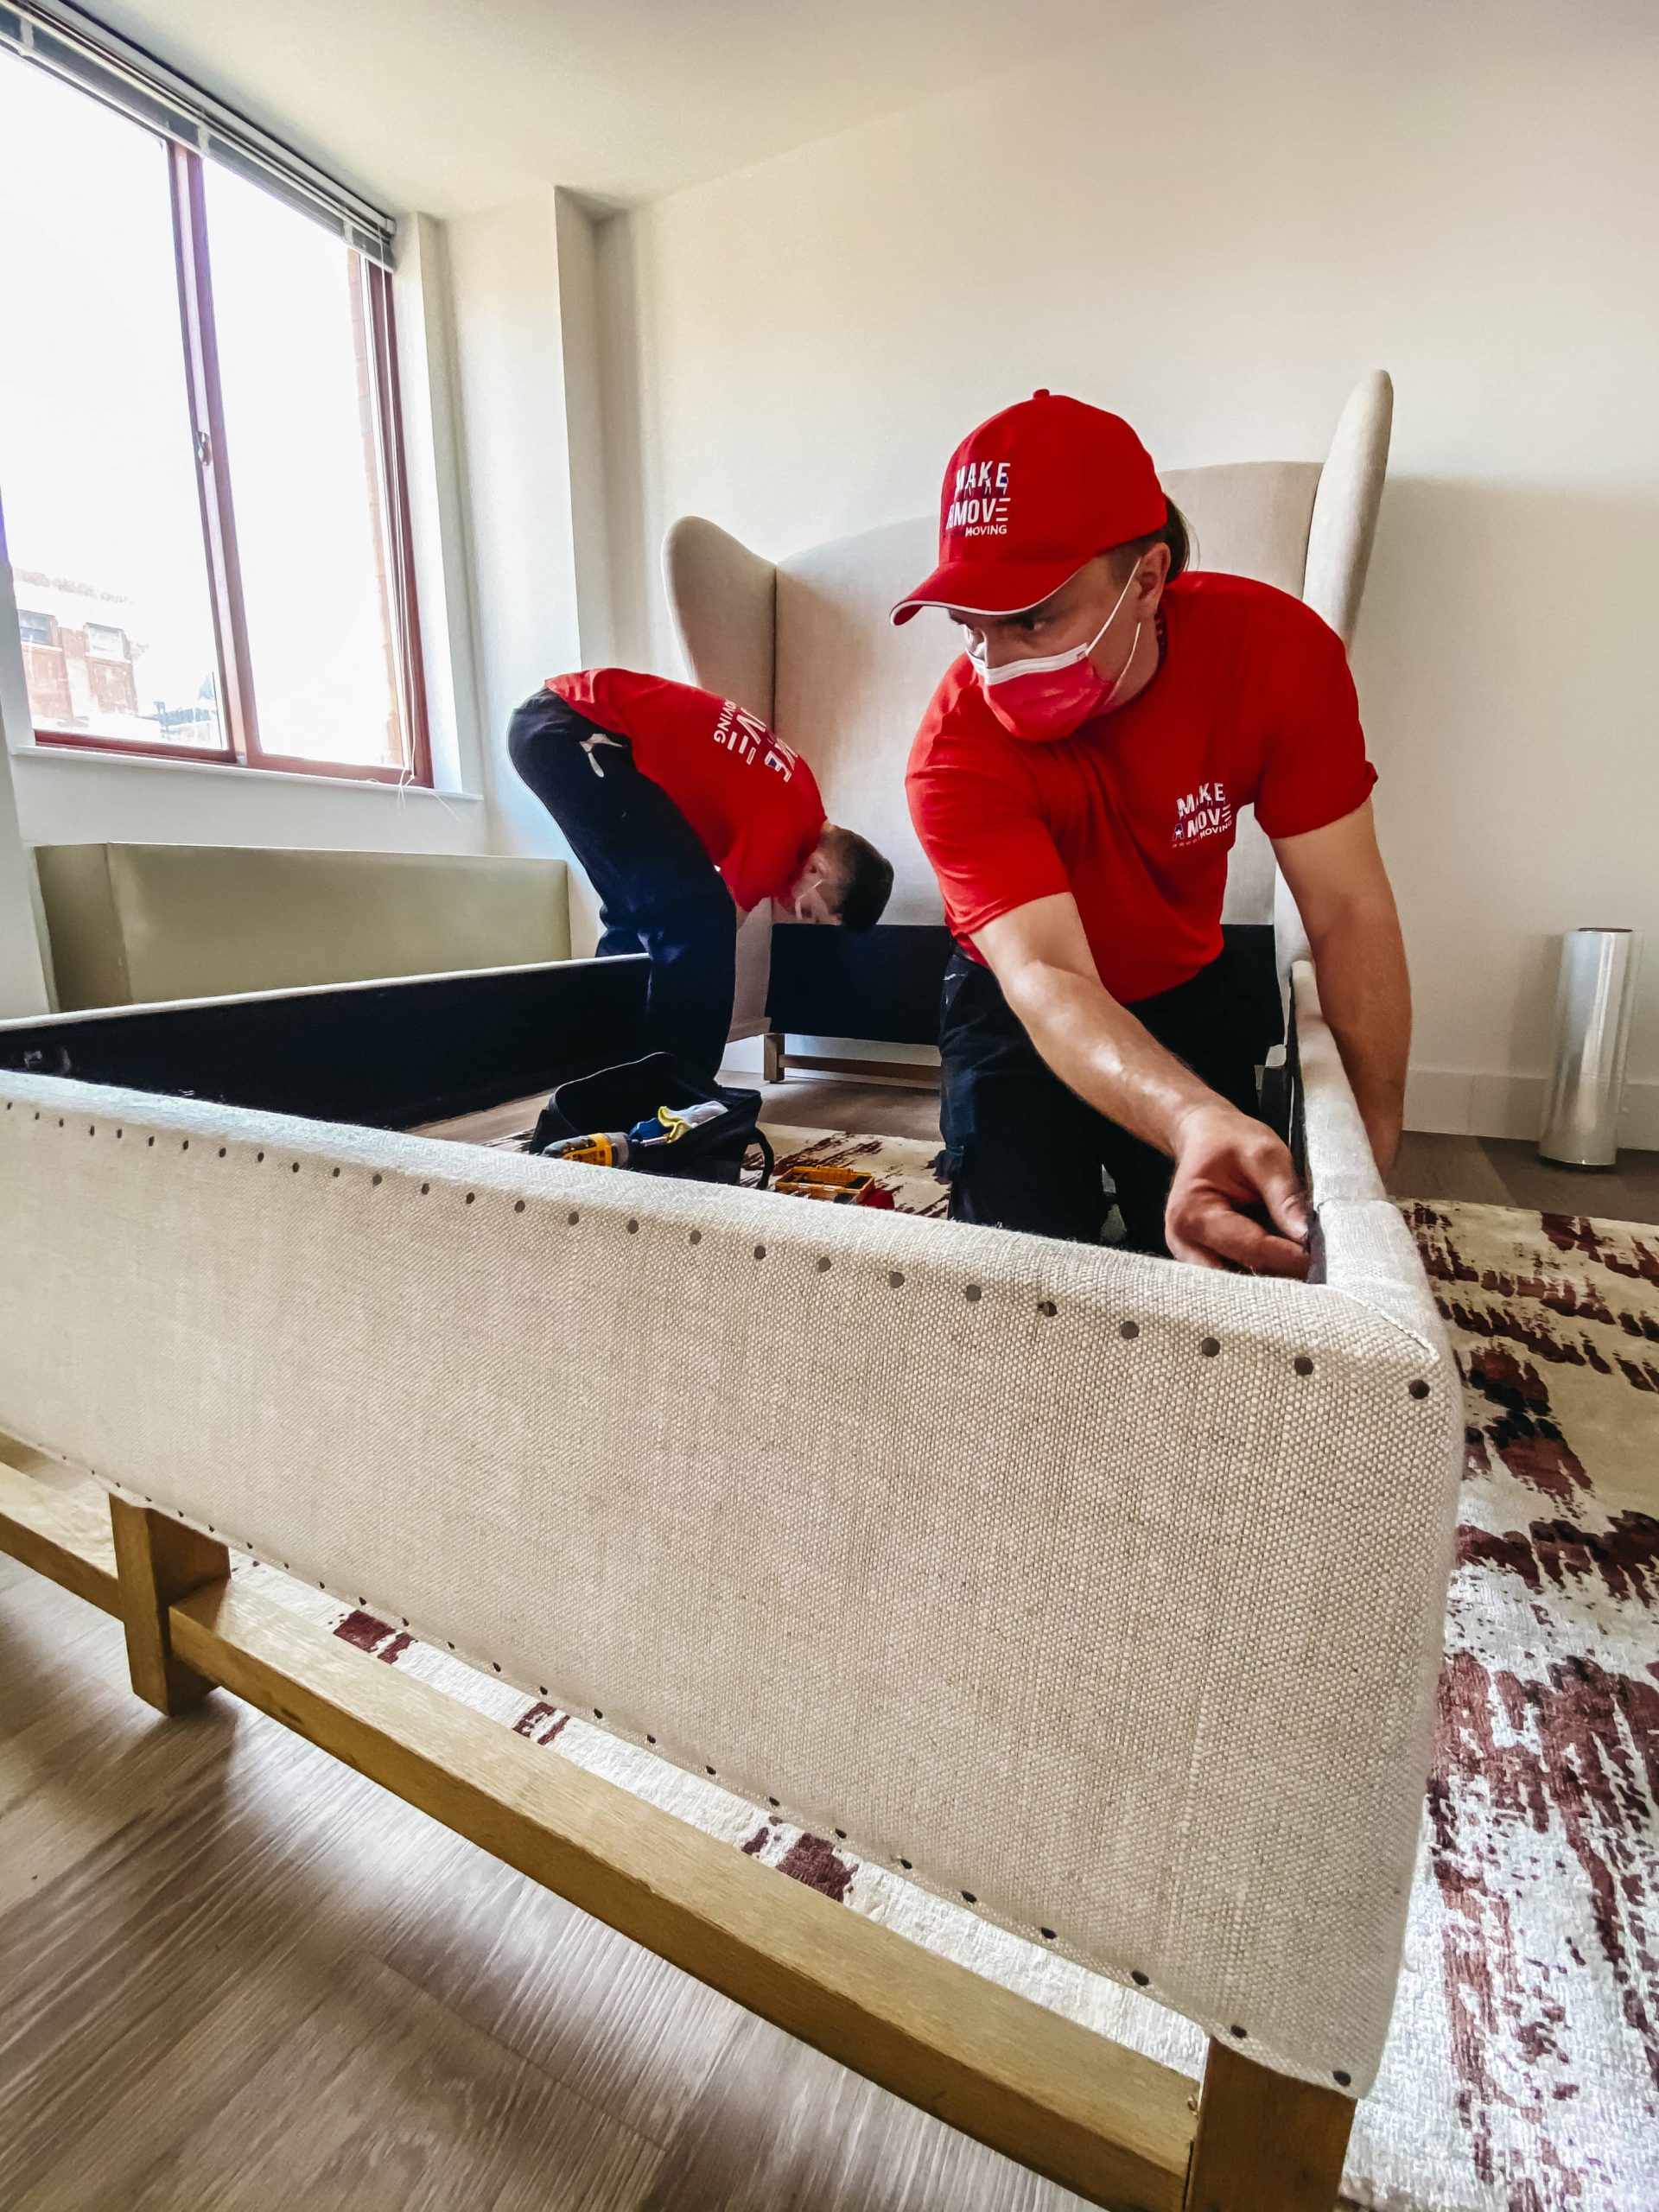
(686, 812)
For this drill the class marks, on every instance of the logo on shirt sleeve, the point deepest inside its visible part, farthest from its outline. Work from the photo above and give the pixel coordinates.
(1206, 812)
(747, 736)
(979, 499)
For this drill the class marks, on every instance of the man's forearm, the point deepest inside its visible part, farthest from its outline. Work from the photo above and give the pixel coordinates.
(1359, 960)
(1099, 1049)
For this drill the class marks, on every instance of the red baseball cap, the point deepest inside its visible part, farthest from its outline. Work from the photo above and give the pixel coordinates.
(1028, 498)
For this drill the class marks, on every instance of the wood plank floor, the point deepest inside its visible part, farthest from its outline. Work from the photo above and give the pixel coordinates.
(239, 1978)
(1507, 1172)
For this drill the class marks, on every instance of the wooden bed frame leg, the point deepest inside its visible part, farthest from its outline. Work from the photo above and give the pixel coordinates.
(772, 1057)
(1265, 2143)
(157, 1561)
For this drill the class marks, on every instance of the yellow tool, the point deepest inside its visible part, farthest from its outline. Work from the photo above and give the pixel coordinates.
(604, 1148)
(840, 1186)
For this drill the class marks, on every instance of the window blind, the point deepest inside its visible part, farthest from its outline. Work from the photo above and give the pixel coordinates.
(77, 48)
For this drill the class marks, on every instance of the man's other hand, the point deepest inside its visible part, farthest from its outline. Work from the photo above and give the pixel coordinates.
(1236, 1202)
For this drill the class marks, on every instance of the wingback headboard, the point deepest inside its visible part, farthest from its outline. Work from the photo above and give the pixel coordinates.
(807, 640)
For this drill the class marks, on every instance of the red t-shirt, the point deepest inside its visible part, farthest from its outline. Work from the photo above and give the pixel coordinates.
(1135, 813)
(753, 802)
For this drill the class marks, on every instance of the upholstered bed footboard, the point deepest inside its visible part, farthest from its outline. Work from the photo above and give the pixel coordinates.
(1098, 1591)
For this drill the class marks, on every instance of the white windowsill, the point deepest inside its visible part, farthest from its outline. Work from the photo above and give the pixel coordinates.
(81, 754)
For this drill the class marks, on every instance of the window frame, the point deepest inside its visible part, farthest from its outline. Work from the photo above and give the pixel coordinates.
(239, 713)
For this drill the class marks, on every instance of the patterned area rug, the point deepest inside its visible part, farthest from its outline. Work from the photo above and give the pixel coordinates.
(1523, 2070)
(1523, 2067)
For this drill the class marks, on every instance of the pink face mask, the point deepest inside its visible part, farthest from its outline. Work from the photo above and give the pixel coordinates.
(1047, 698)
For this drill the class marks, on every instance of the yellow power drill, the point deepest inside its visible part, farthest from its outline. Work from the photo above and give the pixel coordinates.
(614, 1148)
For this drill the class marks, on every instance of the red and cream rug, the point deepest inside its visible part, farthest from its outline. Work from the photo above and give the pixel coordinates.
(1522, 2071)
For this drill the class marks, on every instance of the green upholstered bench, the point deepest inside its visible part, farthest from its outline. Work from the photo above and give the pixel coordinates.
(134, 923)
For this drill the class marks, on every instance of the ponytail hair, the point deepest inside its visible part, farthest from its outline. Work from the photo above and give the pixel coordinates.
(1176, 532)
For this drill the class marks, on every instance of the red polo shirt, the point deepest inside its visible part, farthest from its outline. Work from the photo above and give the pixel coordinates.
(1135, 813)
(753, 802)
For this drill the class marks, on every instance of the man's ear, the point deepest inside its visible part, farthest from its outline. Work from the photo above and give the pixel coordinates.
(1155, 564)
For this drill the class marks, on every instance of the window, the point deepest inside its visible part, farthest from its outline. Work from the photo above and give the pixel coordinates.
(200, 462)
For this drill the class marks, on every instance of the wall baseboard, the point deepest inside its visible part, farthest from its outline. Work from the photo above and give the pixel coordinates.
(745, 1052)
(905, 1075)
(1448, 1101)
(1452, 1102)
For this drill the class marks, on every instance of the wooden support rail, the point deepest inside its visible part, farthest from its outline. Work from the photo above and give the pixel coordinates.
(156, 1560)
(1090, 2114)
(64, 1534)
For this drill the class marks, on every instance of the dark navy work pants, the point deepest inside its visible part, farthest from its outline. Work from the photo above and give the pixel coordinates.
(1026, 1152)
(660, 893)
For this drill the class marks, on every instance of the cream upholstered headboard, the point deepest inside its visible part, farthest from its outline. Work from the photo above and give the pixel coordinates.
(1110, 1563)
(810, 635)
(851, 688)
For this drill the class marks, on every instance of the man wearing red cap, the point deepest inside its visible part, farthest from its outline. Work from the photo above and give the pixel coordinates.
(1076, 783)
(686, 811)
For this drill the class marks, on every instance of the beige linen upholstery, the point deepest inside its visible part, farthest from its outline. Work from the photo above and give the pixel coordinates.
(1103, 1591)
(1344, 513)
(142, 923)
(723, 598)
(754, 971)
(1250, 517)
(812, 634)
(851, 688)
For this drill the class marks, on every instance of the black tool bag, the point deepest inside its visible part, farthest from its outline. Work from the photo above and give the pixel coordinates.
(615, 1098)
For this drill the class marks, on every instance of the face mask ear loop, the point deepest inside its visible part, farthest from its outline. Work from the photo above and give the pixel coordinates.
(1117, 681)
(1112, 617)
(1045, 664)
(1073, 653)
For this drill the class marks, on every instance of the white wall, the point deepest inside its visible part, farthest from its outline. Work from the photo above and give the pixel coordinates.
(1215, 220)
(23, 984)
(68, 797)
(522, 280)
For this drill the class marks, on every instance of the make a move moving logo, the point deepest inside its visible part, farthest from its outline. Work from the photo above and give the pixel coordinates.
(979, 499)
(1206, 812)
(747, 736)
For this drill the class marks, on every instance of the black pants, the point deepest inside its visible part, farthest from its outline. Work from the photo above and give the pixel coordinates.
(660, 893)
(1026, 1152)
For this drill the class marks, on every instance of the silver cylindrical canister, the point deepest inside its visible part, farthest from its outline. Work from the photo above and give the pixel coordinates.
(1592, 1032)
